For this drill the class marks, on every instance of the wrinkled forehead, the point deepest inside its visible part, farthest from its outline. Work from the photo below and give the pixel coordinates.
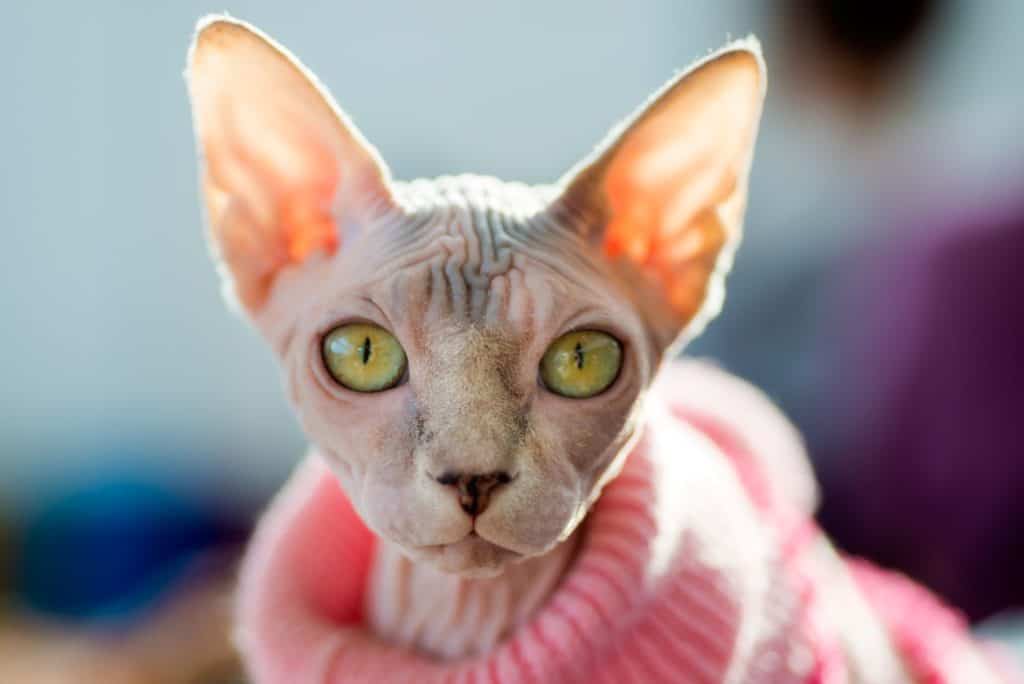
(477, 256)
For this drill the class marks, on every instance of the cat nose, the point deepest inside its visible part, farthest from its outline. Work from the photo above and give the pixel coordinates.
(474, 490)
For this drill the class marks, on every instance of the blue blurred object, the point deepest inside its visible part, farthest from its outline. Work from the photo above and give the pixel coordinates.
(108, 549)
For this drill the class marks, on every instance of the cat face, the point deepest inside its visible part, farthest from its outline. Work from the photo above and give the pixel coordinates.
(470, 355)
(475, 296)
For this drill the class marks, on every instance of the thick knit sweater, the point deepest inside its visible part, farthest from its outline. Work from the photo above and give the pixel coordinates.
(690, 569)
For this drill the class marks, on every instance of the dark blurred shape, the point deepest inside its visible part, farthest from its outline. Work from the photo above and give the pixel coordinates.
(110, 548)
(928, 472)
(6, 556)
(124, 578)
(870, 31)
(858, 42)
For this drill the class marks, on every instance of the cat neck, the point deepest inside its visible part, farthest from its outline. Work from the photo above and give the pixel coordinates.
(450, 616)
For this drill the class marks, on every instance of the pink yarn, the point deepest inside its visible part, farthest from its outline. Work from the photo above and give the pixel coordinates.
(618, 616)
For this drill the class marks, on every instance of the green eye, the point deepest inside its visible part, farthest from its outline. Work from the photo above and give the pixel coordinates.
(364, 357)
(581, 364)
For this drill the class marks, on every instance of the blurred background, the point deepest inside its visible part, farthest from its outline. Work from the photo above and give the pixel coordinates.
(877, 296)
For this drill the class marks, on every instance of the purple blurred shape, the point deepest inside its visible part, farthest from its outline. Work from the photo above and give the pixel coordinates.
(929, 389)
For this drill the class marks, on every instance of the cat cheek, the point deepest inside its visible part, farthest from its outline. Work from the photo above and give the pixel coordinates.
(400, 504)
(534, 514)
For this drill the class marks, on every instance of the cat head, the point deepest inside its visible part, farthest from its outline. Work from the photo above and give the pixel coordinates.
(469, 355)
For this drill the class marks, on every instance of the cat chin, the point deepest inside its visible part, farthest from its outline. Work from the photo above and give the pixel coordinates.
(472, 557)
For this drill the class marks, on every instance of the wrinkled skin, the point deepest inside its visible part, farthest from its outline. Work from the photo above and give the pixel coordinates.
(475, 278)
(474, 319)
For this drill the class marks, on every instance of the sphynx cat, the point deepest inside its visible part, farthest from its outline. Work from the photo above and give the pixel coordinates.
(510, 479)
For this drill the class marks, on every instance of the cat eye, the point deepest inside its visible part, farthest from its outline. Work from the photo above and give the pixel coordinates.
(364, 357)
(581, 364)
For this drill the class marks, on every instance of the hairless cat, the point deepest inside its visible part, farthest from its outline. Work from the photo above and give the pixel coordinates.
(511, 478)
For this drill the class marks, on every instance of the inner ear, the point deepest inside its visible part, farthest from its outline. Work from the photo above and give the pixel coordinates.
(663, 197)
(282, 166)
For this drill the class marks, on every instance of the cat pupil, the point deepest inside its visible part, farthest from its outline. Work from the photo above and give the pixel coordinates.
(366, 351)
(579, 355)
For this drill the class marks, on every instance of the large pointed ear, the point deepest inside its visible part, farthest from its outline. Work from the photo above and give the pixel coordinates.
(283, 168)
(664, 195)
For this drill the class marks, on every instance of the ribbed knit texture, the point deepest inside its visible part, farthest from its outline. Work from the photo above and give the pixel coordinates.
(660, 591)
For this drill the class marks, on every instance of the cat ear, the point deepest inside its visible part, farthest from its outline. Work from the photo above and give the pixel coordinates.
(665, 194)
(283, 168)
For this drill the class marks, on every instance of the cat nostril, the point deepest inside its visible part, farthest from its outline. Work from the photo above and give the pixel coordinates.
(448, 478)
(474, 490)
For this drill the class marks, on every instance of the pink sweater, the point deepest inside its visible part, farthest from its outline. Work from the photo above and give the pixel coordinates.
(662, 590)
